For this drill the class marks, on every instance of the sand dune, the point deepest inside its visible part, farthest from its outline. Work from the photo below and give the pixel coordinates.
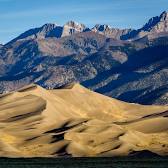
(75, 121)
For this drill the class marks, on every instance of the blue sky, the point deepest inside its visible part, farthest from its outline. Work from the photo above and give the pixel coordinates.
(17, 16)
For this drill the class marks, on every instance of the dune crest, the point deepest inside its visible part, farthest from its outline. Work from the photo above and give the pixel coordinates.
(74, 121)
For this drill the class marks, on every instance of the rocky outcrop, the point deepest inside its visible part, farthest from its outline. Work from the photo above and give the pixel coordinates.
(111, 32)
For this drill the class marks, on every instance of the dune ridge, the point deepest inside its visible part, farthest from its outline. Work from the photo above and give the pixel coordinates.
(74, 121)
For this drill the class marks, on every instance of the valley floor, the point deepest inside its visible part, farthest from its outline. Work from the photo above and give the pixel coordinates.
(126, 162)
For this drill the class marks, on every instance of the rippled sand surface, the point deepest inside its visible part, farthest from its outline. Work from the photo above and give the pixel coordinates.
(74, 121)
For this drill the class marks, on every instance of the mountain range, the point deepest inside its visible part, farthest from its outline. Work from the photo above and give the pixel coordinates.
(131, 65)
(155, 25)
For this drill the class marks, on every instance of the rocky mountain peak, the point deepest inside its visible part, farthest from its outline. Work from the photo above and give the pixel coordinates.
(49, 26)
(101, 28)
(109, 31)
(46, 29)
(75, 25)
(72, 27)
(157, 24)
(164, 16)
(156, 27)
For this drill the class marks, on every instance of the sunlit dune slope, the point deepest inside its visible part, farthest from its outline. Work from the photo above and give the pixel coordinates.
(74, 121)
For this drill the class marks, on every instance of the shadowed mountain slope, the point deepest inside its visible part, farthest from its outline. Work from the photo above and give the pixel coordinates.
(133, 71)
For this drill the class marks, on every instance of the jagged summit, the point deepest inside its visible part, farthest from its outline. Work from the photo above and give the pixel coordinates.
(42, 32)
(159, 23)
(99, 27)
(76, 25)
(152, 22)
(109, 31)
(51, 25)
(155, 27)
(164, 16)
(72, 27)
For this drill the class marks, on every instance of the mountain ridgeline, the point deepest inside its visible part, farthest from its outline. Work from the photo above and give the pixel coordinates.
(131, 65)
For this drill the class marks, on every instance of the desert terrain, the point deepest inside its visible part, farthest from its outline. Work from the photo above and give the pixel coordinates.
(75, 121)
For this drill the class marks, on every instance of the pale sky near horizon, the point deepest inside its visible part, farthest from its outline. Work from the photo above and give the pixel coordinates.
(17, 16)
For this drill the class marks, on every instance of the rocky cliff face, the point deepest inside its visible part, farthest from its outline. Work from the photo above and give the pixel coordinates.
(156, 26)
(72, 27)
